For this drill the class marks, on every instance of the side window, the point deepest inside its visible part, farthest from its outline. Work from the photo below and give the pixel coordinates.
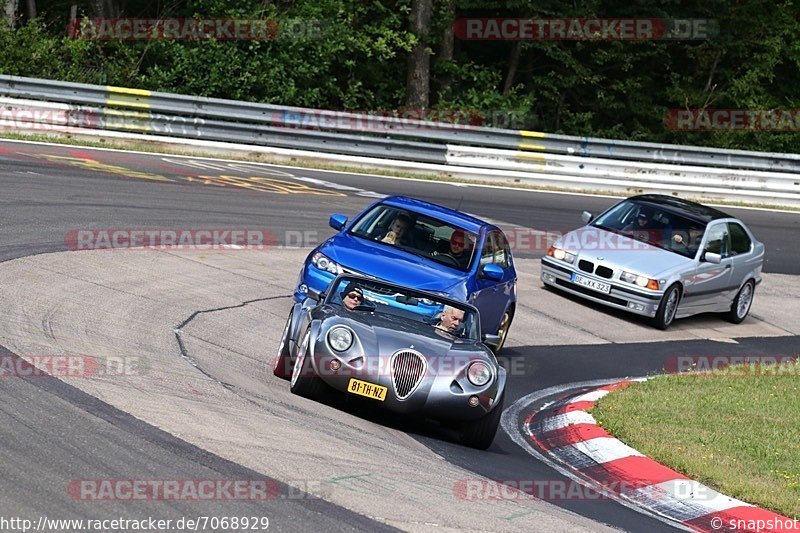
(488, 251)
(717, 241)
(503, 251)
(740, 241)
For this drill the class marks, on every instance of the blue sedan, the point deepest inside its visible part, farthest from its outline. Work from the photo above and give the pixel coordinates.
(426, 246)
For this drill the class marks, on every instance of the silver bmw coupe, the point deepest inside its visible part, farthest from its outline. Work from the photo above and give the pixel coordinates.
(661, 257)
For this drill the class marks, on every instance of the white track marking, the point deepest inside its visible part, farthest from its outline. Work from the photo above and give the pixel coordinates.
(509, 424)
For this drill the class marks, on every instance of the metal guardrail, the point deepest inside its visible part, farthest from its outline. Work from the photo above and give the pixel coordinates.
(522, 155)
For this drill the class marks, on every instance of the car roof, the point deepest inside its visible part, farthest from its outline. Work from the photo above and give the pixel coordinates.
(691, 210)
(445, 214)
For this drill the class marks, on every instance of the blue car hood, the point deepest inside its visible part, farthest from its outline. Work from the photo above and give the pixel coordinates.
(391, 264)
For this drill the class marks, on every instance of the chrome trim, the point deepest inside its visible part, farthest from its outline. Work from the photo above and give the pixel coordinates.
(410, 377)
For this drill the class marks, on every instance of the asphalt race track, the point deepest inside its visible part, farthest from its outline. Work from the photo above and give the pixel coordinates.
(207, 323)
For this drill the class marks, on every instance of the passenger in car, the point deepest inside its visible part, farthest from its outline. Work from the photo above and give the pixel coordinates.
(397, 229)
(451, 320)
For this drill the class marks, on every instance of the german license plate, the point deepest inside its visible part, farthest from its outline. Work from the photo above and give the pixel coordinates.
(590, 283)
(363, 388)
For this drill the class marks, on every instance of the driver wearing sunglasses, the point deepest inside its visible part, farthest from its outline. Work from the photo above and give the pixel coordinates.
(352, 296)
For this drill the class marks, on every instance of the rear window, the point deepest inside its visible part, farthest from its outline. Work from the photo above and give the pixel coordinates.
(740, 241)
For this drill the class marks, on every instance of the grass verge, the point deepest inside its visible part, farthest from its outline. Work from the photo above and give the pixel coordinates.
(257, 157)
(737, 432)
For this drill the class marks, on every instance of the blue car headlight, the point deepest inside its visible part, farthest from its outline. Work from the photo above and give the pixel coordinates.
(322, 262)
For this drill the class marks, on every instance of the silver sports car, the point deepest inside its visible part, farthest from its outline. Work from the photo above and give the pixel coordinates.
(661, 257)
(402, 349)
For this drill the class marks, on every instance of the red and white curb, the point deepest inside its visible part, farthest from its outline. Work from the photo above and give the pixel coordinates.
(568, 435)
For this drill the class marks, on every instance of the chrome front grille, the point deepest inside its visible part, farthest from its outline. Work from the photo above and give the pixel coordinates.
(408, 369)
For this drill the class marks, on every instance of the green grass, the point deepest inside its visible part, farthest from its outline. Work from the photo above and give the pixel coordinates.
(163, 148)
(739, 434)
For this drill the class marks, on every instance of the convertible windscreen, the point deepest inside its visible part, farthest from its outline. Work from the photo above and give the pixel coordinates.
(419, 234)
(659, 227)
(360, 295)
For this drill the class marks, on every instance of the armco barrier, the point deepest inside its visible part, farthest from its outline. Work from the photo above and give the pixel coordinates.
(531, 157)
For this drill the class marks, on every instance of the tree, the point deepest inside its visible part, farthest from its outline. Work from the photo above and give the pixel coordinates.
(11, 13)
(419, 62)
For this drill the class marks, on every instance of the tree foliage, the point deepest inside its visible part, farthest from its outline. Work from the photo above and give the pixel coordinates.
(360, 59)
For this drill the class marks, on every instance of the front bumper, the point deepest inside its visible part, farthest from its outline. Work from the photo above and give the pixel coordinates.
(441, 397)
(559, 275)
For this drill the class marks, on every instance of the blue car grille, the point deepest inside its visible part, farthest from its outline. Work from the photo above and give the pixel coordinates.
(408, 369)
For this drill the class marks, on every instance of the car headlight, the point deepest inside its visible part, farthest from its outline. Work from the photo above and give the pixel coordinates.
(340, 338)
(479, 373)
(322, 262)
(641, 281)
(561, 255)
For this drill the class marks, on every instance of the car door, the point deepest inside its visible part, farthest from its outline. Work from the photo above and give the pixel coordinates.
(489, 296)
(741, 254)
(710, 282)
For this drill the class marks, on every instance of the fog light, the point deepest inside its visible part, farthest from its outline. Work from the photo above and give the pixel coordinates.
(335, 365)
(473, 401)
(548, 277)
(302, 288)
(635, 306)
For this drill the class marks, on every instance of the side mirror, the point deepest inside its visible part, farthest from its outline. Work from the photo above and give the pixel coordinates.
(711, 257)
(337, 222)
(316, 295)
(587, 217)
(492, 341)
(492, 272)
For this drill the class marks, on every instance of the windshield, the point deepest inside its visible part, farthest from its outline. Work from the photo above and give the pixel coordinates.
(419, 234)
(448, 318)
(654, 225)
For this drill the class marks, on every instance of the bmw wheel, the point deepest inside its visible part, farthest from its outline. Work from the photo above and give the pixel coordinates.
(740, 307)
(668, 307)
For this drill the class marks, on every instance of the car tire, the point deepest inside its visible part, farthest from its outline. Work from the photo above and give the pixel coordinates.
(740, 307)
(480, 433)
(668, 307)
(282, 367)
(304, 382)
(503, 329)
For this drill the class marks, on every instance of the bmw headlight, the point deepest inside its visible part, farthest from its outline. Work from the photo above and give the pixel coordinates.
(479, 373)
(340, 338)
(322, 262)
(641, 281)
(561, 254)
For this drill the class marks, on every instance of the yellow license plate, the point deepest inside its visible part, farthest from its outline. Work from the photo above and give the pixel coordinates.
(370, 390)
